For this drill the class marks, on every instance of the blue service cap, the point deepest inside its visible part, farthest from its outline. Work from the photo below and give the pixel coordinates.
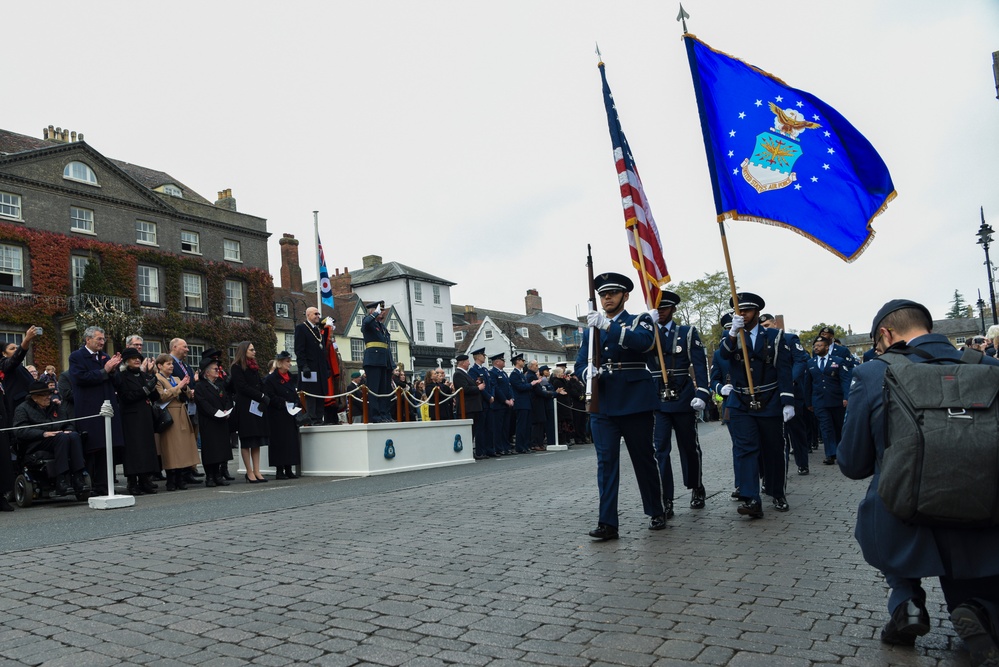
(891, 307)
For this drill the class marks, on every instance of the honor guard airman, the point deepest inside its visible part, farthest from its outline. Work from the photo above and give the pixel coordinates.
(627, 401)
(377, 360)
(502, 404)
(795, 430)
(756, 415)
(827, 385)
(681, 395)
(483, 428)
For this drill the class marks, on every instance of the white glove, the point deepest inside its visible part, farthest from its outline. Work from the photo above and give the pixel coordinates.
(591, 372)
(697, 403)
(329, 322)
(788, 413)
(738, 322)
(654, 314)
(378, 310)
(596, 319)
(726, 390)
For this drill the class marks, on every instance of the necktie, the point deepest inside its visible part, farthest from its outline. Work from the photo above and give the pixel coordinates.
(822, 363)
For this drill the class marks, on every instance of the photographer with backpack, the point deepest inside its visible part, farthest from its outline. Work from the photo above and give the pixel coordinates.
(923, 402)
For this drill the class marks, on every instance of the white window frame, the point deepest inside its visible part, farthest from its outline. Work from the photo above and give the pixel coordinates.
(356, 349)
(488, 334)
(192, 287)
(151, 284)
(85, 175)
(140, 232)
(231, 253)
(393, 324)
(76, 277)
(234, 300)
(81, 220)
(12, 264)
(289, 341)
(421, 334)
(417, 292)
(360, 319)
(8, 337)
(152, 348)
(439, 331)
(10, 206)
(173, 190)
(437, 295)
(281, 309)
(193, 241)
(459, 336)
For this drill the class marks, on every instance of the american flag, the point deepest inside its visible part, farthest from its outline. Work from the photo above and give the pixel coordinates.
(637, 213)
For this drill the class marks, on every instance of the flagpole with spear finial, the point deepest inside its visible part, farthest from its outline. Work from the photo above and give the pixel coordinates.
(682, 18)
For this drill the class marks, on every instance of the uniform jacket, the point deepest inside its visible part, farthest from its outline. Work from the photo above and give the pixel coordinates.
(475, 372)
(91, 387)
(520, 382)
(798, 369)
(501, 388)
(464, 381)
(720, 374)
(627, 390)
(682, 353)
(771, 364)
(828, 387)
(380, 354)
(311, 357)
(889, 544)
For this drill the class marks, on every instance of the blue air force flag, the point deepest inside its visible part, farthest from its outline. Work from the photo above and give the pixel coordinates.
(784, 157)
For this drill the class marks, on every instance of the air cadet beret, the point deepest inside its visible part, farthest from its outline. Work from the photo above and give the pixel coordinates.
(355, 375)
(748, 300)
(461, 357)
(497, 356)
(130, 353)
(206, 362)
(211, 353)
(668, 299)
(517, 357)
(726, 321)
(282, 355)
(613, 282)
(891, 307)
(479, 351)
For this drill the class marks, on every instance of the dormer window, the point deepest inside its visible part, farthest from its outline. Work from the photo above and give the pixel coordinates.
(77, 171)
(172, 190)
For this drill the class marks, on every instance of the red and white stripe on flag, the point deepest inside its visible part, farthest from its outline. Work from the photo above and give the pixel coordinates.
(637, 213)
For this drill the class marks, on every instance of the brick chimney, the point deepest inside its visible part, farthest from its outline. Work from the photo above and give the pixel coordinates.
(291, 270)
(470, 315)
(340, 282)
(371, 261)
(226, 200)
(532, 302)
(62, 136)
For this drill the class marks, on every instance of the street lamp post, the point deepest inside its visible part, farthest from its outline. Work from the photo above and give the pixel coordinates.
(981, 310)
(984, 239)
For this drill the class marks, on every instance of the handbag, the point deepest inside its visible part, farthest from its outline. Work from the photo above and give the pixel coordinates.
(162, 419)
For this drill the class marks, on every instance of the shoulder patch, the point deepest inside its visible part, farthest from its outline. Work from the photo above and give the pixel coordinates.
(645, 324)
(798, 345)
(697, 342)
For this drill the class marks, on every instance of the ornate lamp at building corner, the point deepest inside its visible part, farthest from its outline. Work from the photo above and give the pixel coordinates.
(985, 239)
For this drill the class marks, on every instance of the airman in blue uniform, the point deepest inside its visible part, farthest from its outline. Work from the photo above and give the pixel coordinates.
(377, 360)
(502, 404)
(680, 397)
(721, 379)
(795, 430)
(522, 389)
(827, 384)
(627, 401)
(756, 416)
(483, 427)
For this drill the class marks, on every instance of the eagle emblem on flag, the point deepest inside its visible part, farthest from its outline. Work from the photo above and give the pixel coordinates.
(769, 167)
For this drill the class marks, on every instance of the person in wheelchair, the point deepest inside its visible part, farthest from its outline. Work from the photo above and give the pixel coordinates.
(47, 433)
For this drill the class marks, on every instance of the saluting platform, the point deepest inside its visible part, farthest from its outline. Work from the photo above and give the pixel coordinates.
(359, 450)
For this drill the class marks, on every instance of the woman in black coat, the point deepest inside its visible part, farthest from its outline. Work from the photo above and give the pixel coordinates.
(285, 448)
(134, 389)
(251, 408)
(8, 365)
(210, 396)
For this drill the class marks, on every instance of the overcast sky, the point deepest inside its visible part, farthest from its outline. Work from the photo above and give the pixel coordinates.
(469, 139)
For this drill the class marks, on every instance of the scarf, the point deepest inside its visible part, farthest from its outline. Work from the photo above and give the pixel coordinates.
(252, 365)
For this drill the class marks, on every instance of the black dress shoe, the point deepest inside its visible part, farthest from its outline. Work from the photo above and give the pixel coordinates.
(697, 499)
(195, 473)
(908, 621)
(604, 532)
(974, 626)
(780, 504)
(668, 506)
(802, 471)
(735, 496)
(226, 476)
(829, 460)
(280, 475)
(657, 522)
(752, 508)
(159, 477)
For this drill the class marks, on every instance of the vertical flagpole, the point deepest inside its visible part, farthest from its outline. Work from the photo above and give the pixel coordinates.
(648, 301)
(319, 287)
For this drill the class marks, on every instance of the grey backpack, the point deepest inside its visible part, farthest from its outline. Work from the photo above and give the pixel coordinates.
(941, 459)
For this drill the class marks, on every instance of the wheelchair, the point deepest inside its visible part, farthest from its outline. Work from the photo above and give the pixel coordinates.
(35, 479)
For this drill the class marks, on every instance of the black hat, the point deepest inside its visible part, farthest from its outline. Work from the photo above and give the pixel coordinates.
(748, 300)
(461, 357)
(479, 351)
(37, 387)
(282, 355)
(726, 321)
(612, 282)
(206, 362)
(496, 357)
(892, 306)
(766, 317)
(211, 353)
(130, 353)
(517, 357)
(543, 369)
(374, 304)
(668, 299)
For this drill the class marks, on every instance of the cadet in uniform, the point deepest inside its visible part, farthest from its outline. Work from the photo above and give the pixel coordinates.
(377, 360)
(502, 404)
(627, 400)
(755, 419)
(679, 399)
(827, 384)
(483, 427)
(795, 430)
(721, 384)
(522, 389)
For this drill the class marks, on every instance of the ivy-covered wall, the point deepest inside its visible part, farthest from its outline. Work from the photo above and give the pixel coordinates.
(48, 256)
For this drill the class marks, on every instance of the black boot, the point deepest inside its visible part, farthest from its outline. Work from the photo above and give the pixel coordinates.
(63, 487)
(146, 484)
(133, 486)
(224, 467)
(171, 480)
(180, 479)
(220, 476)
(209, 480)
(290, 473)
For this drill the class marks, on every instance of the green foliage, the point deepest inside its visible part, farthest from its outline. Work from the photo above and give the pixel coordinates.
(703, 303)
(807, 336)
(959, 308)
